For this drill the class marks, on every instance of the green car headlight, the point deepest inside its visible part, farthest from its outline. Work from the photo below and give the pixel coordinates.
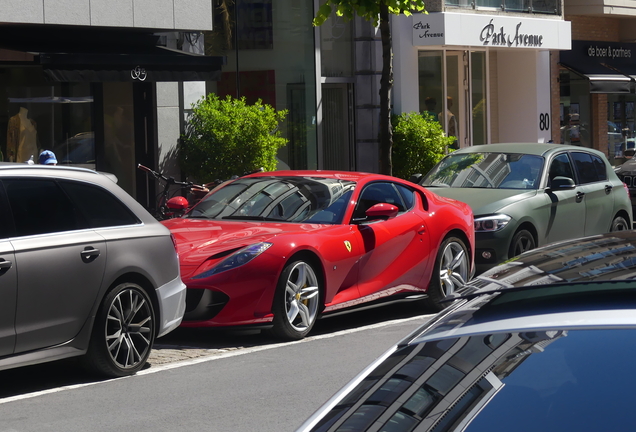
(491, 223)
(237, 259)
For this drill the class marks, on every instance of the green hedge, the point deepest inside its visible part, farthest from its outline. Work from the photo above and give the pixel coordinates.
(419, 142)
(226, 137)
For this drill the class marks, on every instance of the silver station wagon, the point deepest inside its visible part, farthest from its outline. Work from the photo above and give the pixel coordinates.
(85, 271)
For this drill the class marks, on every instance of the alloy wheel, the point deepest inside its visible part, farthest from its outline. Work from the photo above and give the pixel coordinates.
(301, 296)
(453, 268)
(129, 328)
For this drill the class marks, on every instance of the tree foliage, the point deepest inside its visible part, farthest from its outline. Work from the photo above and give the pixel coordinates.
(419, 143)
(378, 13)
(226, 137)
(369, 10)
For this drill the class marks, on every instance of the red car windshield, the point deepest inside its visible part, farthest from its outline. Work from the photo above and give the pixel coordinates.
(280, 199)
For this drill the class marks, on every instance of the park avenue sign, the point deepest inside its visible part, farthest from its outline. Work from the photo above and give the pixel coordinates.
(480, 30)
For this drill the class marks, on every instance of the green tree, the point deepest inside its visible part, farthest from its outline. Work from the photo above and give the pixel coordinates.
(419, 143)
(378, 13)
(226, 137)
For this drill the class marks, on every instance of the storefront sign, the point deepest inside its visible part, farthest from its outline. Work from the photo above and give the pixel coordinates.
(446, 28)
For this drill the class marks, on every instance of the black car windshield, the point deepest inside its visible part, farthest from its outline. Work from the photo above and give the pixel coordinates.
(550, 380)
(280, 199)
(486, 170)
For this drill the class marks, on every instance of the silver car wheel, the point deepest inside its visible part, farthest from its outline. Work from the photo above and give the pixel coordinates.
(129, 328)
(301, 297)
(619, 224)
(453, 272)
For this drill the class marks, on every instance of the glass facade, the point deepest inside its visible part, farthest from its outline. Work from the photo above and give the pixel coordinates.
(38, 115)
(442, 75)
(272, 49)
(620, 125)
(575, 109)
(552, 7)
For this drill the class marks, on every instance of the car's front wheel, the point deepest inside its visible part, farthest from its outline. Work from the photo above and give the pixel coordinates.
(522, 241)
(296, 301)
(123, 332)
(619, 224)
(451, 271)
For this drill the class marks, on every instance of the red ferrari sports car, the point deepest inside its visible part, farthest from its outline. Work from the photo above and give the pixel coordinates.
(279, 249)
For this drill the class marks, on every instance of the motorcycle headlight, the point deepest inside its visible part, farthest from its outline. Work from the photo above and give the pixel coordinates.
(491, 223)
(237, 259)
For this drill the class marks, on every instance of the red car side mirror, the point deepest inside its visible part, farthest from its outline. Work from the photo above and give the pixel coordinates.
(382, 211)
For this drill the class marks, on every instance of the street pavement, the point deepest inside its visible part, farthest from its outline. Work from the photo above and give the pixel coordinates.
(207, 380)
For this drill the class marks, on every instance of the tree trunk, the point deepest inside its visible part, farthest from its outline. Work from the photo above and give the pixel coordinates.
(386, 83)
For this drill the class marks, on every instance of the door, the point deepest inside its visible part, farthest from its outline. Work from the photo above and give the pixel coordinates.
(394, 250)
(8, 291)
(59, 267)
(565, 208)
(453, 115)
(337, 127)
(596, 190)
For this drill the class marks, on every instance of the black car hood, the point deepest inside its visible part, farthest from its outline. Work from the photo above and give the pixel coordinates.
(605, 257)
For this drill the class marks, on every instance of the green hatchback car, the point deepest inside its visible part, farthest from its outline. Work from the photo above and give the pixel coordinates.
(527, 195)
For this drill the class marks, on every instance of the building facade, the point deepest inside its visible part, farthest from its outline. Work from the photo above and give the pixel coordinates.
(99, 82)
(482, 68)
(595, 81)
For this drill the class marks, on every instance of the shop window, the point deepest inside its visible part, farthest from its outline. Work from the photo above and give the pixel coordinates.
(523, 6)
(57, 117)
(276, 67)
(575, 109)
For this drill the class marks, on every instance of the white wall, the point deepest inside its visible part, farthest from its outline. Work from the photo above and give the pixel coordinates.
(405, 67)
(524, 95)
(155, 14)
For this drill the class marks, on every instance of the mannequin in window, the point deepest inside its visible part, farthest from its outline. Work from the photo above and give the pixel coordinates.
(452, 121)
(21, 137)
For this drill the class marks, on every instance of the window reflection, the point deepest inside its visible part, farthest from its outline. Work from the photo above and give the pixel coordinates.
(284, 199)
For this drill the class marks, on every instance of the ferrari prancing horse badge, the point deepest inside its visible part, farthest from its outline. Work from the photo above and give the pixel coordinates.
(347, 245)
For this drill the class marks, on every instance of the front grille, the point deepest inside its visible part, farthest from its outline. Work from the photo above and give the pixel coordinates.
(203, 304)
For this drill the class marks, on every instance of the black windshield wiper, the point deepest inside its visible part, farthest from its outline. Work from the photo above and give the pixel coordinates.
(257, 218)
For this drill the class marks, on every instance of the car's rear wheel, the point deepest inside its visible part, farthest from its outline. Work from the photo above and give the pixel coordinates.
(296, 301)
(522, 241)
(619, 224)
(451, 271)
(123, 332)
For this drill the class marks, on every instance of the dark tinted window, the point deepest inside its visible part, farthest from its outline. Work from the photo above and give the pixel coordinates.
(97, 206)
(407, 195)
(39, 207)
(561, 167)
(377, 193)
(5, 216)
(585, 168)
(599, 166)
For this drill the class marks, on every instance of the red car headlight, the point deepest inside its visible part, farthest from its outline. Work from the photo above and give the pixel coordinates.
(237, 259)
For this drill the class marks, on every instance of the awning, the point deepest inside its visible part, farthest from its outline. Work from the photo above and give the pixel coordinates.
(87, 54)
(162, 64)
(603, 79)
(608, 65)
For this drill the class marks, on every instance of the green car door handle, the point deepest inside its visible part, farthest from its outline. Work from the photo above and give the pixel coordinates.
(608, 189)
(579, 196)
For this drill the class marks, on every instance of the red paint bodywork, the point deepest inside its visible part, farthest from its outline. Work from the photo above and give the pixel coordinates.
(388, 257)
